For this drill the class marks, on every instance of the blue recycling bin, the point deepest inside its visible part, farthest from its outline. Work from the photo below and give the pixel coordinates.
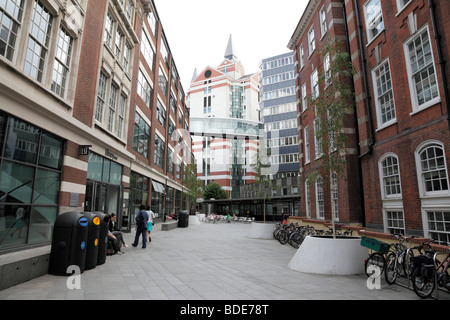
(69, 240)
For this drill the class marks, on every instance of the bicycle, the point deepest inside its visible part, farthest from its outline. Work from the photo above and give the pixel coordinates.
(377, 255)
(427, 271)
(398, 260)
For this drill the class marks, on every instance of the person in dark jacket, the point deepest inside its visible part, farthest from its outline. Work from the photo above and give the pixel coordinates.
(141, 227)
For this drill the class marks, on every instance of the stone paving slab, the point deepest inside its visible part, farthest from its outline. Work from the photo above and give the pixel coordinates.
(205, 262)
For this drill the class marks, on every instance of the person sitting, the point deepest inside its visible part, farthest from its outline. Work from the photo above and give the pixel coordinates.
(114, 229)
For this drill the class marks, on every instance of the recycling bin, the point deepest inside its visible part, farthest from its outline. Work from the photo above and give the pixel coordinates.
(92, 240)
(103, 237)
(183, 219)
(69, 240)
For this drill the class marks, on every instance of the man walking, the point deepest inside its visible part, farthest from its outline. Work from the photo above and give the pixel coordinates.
(141, 227)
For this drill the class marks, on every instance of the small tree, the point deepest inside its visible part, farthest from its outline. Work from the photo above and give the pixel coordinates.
(192, 183)
(214, 190)
(332, 108)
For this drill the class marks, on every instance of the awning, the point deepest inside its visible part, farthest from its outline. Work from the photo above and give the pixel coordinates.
(158, 187)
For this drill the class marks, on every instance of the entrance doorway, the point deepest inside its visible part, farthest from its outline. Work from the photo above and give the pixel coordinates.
(103, 197)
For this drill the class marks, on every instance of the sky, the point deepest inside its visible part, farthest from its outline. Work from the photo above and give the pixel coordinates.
(198, 31)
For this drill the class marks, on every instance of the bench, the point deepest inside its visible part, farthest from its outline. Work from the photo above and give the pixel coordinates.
(166, 226)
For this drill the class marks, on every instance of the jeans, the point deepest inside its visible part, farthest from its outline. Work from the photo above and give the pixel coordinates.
(140, 232)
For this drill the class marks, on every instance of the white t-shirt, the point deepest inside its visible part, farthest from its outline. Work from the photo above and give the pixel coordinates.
(151, 215)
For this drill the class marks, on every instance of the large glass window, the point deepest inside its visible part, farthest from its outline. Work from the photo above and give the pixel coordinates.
(141, 136)
(433, 169)
(159, 152)
(384, 94)
(144, 89)
(30, 177)
(62, 62)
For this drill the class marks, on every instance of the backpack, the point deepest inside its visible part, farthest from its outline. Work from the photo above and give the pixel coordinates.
(140, 221)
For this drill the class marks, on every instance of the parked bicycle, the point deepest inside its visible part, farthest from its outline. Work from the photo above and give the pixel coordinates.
(398, 260)
(427, 271)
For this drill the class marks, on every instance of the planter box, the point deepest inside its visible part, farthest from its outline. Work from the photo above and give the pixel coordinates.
(325, 255)
(261, 230)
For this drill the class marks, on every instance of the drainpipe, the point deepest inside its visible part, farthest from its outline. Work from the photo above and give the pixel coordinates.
(366, 83)
(437, 38)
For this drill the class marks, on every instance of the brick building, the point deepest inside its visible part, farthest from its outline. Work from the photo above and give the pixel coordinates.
(89, 100)
(321, 23)
(398, 49)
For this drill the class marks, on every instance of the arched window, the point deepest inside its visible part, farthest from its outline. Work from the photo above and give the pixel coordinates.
(390, 176)
(432, 169)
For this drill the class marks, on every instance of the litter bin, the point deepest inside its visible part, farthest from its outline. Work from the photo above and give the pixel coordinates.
(103, 237)
(92, 240)
(183, 219)
(69, 240)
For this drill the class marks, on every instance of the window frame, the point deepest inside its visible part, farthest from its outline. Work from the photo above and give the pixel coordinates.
(377, 97)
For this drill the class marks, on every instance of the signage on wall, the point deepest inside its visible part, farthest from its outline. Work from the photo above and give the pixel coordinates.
(83, 150)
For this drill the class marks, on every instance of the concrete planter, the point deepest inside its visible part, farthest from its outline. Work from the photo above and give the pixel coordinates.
(261, 230)
(325, 255)
(193, 219)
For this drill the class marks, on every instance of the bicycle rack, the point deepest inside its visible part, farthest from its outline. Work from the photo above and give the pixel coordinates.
(436, 288)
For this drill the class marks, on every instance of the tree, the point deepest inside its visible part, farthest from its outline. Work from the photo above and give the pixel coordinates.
(332, 107)
(192, 183)
(214, 190)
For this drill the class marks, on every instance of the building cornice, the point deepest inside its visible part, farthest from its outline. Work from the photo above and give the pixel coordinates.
(304, 22)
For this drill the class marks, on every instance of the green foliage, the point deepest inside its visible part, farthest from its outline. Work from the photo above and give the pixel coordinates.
(214, 190)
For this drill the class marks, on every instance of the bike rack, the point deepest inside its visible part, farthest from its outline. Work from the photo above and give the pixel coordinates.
(436, 275)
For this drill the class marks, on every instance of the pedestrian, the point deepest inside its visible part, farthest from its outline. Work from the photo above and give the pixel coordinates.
(284, 218)
(150, 223)
(141, 227)
(114, 229)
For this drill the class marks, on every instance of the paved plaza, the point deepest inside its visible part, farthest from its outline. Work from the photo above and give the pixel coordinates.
(205, 262)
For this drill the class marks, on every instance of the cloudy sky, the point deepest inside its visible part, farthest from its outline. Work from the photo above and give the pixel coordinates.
(198, 30)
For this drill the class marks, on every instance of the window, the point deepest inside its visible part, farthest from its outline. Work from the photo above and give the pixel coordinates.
(314, 85)
(320, 203)
(439, 225)
(390, 173)
(401, 4)
(11, 12)
(162, 81)
(61, 65)
(433, 170)
(317, 138)
(141, 137)
(327, 69)
(161, 113)
(311, 40)
(152, 21)
(159, 151)
(304, 97)
(112, 106)
(126, 57)
(129, 10)
(323, 21)
(164, 51)
(101, 97)
(421, 71)
(395, 222)
(121, 115)
(308, 200)
(335, 195)
(302, 57)
(119, 43)
(170, 162)
(147, 51)
(384, 94)
(374, 19)
(144, 89)
(38, 41)
(109, 27)
(306, 141)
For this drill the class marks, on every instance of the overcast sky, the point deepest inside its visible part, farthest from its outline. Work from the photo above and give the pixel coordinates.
(198, 30)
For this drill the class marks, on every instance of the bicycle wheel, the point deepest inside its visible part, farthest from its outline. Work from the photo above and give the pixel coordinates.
(406, 263)
(283, 237)
(375, 259)
(296, 239)
(391, 268)
(422, 284)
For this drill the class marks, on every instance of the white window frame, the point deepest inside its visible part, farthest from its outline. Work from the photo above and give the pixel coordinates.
(307, 199)
(394, 229)
(314, 84)
(323, 21)
(422, 189)
(380, 122)
(320, 208)
(304, 98)
(412, 86)
(327, 69)
(307, 146)
(318, 146)
(374, 22)
(302, 56)
(384, 195)
(311, 41)
(402, 4)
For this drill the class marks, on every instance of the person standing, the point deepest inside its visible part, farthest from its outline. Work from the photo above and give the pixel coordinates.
(151, 216)
(141, 227)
